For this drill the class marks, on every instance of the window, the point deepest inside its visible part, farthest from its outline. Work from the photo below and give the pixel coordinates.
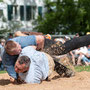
(33, 11)
(10, 12)
(40, 11)
(16, 13)
(28, 13)
(22, 13)
(1, 13)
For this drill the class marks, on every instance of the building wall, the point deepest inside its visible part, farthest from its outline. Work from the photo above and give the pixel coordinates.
(30, 8)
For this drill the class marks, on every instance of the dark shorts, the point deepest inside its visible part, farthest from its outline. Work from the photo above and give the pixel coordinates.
(53, 48)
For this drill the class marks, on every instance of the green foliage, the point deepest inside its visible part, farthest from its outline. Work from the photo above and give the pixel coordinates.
(3, 32)
(67, 16)
(1, 0)
(14, 25)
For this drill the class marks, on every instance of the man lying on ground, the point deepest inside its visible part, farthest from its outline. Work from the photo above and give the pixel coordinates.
(35, 66)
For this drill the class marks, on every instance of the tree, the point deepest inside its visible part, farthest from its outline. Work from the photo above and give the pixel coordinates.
(67, 16)
(1, 0)
(84, 5)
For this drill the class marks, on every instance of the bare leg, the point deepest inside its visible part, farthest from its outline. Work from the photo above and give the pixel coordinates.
(72, 57)
(86, 63)
(79, 59)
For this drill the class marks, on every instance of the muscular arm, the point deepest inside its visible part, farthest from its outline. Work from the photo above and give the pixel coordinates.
(39, 39)
(19, 33)
(40, 42)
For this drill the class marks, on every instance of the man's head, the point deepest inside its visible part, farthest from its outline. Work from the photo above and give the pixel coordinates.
(13, 48)
(2, 41)
(22, 64)
(10, 35)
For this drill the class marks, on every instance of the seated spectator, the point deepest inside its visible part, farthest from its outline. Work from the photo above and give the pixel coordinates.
(84, 55)
(74, 55)
(66, 38)
(2, 44)
(10, 36)
(86, 60)
(59, 40)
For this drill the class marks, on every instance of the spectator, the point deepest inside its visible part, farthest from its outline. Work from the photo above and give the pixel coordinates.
(83, 54)
(86, 60)
(61, 40)
(2, 44)
(10, 36)
(77, 35)
(74, 55)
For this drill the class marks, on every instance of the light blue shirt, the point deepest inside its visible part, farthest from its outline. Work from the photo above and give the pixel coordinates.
(39, 67)
(1, 49)
(9, 60)
(25, 40)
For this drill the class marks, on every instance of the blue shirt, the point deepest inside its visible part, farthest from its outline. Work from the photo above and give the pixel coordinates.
(25, 40)
(9, 61)
(0, 49)
(1, 46)
(39, 67)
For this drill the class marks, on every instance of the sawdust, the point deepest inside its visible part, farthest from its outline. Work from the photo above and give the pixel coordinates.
(81, 81)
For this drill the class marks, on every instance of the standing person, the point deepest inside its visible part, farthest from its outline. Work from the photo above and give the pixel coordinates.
(35, 66)
(2, 43)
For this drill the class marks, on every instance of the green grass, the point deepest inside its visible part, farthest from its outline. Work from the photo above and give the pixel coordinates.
(82, 68)
(2, 72)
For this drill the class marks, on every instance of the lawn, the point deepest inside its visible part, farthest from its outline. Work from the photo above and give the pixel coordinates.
(2, 72)
(82, 68)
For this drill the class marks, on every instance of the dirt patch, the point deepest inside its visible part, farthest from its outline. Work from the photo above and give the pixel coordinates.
(81, 81)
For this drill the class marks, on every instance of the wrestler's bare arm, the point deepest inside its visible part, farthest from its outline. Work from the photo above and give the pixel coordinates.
(19, 33)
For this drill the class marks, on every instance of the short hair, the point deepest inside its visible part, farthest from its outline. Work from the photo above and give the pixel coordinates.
(24, 60)
(2, 40)
(10, 46)
(10, 35)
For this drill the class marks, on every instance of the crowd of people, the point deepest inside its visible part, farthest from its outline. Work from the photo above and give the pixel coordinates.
(32, 58)
(79, 56)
